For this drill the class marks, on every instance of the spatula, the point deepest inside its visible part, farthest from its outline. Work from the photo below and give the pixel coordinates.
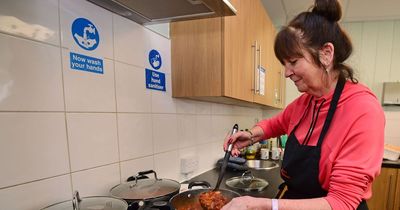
(226, 158)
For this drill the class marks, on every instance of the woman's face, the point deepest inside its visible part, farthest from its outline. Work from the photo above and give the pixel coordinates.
(306, 75)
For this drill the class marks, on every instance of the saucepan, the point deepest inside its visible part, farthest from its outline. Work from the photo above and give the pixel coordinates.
(142, 192)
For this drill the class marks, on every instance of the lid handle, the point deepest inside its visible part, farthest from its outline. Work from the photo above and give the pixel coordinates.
(141, 174)
(76, 200)
(247, 177)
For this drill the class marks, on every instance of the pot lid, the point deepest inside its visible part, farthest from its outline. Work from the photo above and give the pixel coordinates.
(247, 182)
(90, 203)
(141, 189)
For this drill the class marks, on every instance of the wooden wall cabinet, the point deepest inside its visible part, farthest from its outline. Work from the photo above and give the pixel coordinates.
(218, 59)
(386, 190)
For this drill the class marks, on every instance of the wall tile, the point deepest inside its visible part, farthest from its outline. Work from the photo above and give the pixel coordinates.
(185, 106)
(33, 146)
(188, 152)
(132, 167)
(186, 130)
(203, 129)
(241, 110)
(167, 165)
(203, 107)
(395, 61)
(135, 135)
(245, 122)
(205, 161)
(92, 139)
(131, 92)
(222, 126)
(87, 91)
(35, 19)
(208, 161)
(392, 126)
(222, 109)
(130, 41)
(162, 102)
(36, 195)
(165, 135)
(96, 181)
(163, 46)
(99, 17)
(30, 76)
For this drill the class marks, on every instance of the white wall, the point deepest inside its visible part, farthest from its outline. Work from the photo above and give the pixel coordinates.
(376, 59)
(63, 130)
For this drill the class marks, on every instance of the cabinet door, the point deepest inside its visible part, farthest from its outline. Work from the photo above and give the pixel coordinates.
(263, 93)
(277, 88)
(238, 51)
(397, 194)
(383, 190)
(196, 56)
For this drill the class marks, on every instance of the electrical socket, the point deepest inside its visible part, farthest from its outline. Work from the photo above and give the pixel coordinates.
(189, 164)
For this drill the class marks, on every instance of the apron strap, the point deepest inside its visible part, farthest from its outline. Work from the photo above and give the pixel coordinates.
(332, 108)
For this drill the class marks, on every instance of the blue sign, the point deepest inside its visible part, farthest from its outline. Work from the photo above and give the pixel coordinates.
(155, 59)
(86, 63)
(85, 34)
(155, 80)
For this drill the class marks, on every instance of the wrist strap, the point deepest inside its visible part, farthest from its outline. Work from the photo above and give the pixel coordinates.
(275, 204)
(248, 131)
(251, 136)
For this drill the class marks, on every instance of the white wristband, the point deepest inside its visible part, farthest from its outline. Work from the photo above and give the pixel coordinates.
(275, 204)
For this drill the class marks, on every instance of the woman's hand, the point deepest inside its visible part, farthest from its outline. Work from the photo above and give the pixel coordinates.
(248, 203)
(239, 140)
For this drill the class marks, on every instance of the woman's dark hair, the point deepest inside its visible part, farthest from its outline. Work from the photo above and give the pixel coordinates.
(310, 30)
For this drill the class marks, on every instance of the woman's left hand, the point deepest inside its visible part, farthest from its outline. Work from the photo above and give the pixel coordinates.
(248, 203)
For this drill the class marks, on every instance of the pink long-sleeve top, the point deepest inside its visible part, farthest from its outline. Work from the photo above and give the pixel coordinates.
(352, 150)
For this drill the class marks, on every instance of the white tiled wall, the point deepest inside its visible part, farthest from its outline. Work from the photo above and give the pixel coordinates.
(392, 132)
(63, 130)
(376, 60)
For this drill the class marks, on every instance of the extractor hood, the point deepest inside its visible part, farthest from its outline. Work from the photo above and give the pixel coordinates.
(158, 11)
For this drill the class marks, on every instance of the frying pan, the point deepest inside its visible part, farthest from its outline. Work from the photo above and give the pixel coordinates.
(190, 198)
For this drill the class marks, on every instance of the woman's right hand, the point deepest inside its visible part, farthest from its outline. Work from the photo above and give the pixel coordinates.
(239, 140)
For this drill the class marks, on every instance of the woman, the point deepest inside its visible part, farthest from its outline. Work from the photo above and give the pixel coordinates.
(335, 128)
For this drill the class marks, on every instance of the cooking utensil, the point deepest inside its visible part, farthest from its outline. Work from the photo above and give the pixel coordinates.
(143, 192)
(89, 203)
(247, 182)
(226, 158)
(190, 199)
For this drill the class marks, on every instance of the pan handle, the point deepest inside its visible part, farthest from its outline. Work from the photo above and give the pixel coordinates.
(199, 183)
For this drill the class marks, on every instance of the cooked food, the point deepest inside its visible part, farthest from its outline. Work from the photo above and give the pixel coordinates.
(190, 207)
(212, 200)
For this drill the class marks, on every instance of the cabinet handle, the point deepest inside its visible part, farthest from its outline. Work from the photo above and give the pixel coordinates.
(280, 87)
(389, 191)
(256, 76)
(259, 68)
(277, 92)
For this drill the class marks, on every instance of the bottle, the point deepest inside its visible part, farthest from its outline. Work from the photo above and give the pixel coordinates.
(275, 154)
(264, 151)
(250, 152)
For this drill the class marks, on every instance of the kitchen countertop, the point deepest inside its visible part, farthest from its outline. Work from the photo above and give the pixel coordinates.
(272, 176)
(391, 163)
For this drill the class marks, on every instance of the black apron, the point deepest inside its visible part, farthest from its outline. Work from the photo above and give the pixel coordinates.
(300, 166)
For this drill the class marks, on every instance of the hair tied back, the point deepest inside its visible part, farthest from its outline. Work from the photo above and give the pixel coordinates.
(330, 9)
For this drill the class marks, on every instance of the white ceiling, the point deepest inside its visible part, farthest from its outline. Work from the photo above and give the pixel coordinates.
(282, 11)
